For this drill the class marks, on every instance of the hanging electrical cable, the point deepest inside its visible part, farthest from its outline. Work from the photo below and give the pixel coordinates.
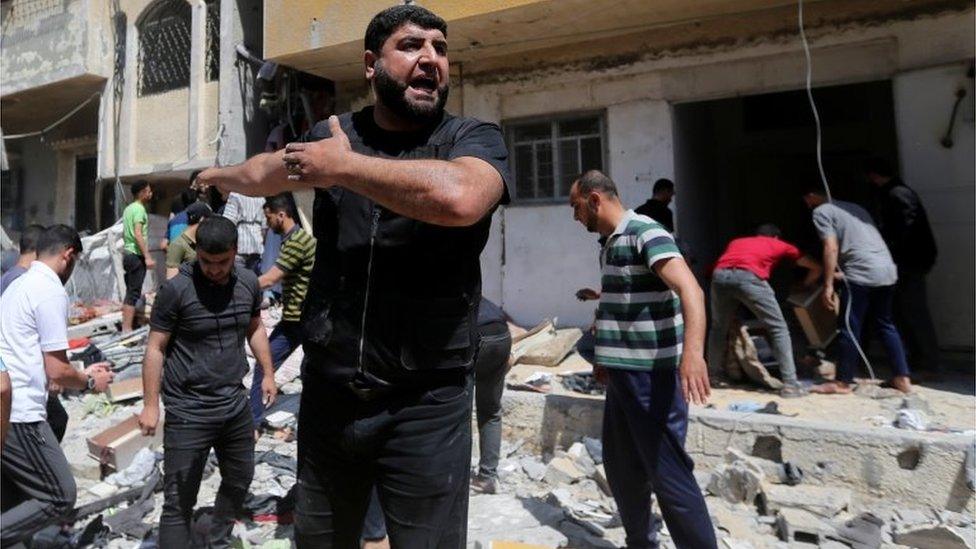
(823, 176)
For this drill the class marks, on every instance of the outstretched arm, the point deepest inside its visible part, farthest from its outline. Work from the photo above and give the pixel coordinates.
(457, 192)
(261, 175)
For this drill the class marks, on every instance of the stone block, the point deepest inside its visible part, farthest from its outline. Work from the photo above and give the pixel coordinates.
(562, 470)
(824, 501)
(534, 469)
(938, 536)
(797, 525)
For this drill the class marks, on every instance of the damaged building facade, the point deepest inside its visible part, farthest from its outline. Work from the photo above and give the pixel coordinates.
(708, 94)
(97, 94)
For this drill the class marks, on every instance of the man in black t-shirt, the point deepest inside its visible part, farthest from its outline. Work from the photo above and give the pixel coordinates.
(656, 206)
(197, 329)
(404, 197)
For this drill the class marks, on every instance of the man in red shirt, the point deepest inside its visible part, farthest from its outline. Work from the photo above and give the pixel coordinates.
(741, 275)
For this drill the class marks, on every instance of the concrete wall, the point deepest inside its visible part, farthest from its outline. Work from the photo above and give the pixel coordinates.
(864, 460)
(43, 42)
(944, 178)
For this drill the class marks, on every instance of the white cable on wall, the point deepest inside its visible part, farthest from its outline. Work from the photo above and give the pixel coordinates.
(823, 177)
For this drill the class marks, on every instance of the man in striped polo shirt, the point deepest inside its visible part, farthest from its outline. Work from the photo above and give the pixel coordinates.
(292, 269)
(649, 351)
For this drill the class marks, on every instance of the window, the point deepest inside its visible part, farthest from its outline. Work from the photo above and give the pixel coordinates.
(165, 45)
(548, 155)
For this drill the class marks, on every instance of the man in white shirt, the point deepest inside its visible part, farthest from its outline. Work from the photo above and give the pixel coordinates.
(247, 212)
(33, 347)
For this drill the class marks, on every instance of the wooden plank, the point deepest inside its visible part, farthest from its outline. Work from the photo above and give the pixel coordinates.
(552, 351)
(128, 389)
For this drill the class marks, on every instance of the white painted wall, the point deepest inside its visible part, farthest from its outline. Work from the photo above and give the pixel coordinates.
(535, 263)
(946, 182)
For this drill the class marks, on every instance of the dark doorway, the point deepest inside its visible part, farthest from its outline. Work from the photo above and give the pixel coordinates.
(86, 171)
(742, 161)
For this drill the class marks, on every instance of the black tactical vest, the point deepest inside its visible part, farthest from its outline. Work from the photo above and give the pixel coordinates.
(420, 284)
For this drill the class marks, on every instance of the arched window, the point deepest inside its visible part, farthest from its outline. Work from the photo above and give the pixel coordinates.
(164, 47)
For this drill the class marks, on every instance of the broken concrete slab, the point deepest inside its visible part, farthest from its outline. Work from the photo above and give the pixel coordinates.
(562, 470)
(935, 536)
(797, 525)
(736, 482)
(824, 501)
(533, 468)
(600, 476)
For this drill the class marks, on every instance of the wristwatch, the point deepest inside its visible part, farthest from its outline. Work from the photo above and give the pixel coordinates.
(90, 383)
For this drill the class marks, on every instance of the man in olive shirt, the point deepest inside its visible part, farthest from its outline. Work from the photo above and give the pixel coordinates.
(136, 259)
(292, 269)
(183, 248)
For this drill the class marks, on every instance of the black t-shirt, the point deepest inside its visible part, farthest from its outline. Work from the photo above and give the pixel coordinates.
(424, 280)
(658, 211)
(205, 360)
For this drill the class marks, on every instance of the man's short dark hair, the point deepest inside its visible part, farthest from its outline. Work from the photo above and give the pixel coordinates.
(216, 235)
(768, 229)
(197, 212)
(389, 20)
(878, 165)
(29, 238)
(193, 176)
(663, 184)
(57, 238)
(282, 202)
(138, 186)
(595, 180)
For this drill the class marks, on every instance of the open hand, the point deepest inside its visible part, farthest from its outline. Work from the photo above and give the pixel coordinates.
(149, 420)
(318, 161)
(694, 379)
(269, 390)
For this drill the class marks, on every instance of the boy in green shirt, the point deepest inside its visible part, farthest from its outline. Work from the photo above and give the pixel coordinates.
(135, 259)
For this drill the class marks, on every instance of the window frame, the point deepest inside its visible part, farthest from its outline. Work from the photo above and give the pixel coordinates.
(150, 19)
(509, 127)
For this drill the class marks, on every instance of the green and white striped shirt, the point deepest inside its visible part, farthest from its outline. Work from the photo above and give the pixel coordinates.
(639, 324)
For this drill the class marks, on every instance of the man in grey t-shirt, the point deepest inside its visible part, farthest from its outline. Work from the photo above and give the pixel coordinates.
(853, 245)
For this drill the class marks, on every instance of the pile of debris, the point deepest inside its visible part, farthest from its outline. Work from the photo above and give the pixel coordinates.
(564, 500)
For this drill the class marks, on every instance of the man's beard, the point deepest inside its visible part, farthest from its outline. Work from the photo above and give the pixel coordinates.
(393, 95)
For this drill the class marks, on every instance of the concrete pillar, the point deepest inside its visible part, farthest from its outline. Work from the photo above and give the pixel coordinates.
(198, 61)
(244, 124)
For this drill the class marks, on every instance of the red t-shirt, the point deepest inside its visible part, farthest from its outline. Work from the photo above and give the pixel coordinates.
(757, 254)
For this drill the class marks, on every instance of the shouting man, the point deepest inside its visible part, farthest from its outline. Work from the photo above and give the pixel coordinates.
(404, 197)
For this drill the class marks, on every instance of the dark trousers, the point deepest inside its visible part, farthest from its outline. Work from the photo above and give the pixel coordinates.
(414, 446)
(135, 275)
(35, 466)
(915, 322)
(251, 262)
(489, 374)
(187, 447)
(57, 416)
(644, 425)
(862, 301)
(284, 339)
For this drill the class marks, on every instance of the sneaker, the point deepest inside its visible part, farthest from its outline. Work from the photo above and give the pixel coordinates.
(484, 484)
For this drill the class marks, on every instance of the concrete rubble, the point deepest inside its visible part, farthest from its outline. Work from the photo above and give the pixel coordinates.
(551, 496)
